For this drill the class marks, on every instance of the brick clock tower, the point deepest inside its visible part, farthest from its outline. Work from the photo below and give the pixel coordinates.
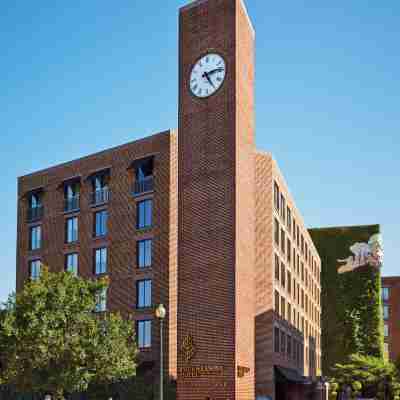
(216, 202)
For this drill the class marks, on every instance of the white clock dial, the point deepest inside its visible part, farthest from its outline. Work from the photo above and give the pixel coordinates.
(207, 76)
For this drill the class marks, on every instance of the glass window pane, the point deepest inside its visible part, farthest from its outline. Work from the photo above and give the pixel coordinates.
(35, 267)
(144, 334)
(144, 248)
(144, 214)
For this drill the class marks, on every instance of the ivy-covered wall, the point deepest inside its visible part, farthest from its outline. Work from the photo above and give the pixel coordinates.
(351, 317)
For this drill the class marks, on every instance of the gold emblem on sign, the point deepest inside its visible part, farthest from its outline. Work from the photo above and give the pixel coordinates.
(188, 348)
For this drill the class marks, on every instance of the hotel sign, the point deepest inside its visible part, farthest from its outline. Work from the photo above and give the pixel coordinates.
(201, 371)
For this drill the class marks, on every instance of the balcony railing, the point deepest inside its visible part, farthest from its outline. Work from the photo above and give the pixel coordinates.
(100, 196)
(143, 185)
(71, 203)
(35, 213)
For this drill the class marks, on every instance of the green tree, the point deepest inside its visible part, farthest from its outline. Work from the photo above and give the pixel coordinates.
(52, 341)
(372, 375)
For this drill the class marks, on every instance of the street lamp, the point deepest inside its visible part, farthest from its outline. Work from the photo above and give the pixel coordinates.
(160, 313)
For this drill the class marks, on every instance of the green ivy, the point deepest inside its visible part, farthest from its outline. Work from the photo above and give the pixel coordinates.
(351, 319)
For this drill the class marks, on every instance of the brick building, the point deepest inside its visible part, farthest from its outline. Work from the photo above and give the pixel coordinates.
(243, 308)
(391, 316)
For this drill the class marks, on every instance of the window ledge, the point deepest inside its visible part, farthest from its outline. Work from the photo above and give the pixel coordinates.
(144, 230)
(74, 211)
(146, 193)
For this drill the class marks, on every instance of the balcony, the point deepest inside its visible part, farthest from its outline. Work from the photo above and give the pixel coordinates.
(100, 196)
(143, 185)
(71, 204)
(34, 213)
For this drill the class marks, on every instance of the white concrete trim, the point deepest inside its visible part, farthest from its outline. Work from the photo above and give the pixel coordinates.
(248, 17)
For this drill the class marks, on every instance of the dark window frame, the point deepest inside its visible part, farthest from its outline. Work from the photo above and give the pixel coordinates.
(145, 256)
(142, 296)
(148, 214)
(138, 333)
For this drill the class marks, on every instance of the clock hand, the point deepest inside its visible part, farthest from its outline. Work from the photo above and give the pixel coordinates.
(215, 70)
(208, 78)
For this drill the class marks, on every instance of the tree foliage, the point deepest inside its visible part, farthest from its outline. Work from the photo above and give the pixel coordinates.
(51, 341)
(368, 375)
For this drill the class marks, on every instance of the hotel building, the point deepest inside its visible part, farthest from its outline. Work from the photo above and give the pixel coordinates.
(197, 220)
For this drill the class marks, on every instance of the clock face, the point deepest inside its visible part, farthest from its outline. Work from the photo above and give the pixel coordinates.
(207, 76)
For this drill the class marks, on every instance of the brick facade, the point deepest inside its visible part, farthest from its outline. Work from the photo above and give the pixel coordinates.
(296, 284)
(213, 216)
(392, 283)
(122, 234)
(216, 211)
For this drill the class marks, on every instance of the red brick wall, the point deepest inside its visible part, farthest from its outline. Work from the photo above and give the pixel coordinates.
(212, 256)
(393, 283)
(122, 233)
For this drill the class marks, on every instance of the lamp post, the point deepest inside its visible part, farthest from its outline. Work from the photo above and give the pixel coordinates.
(160, 313)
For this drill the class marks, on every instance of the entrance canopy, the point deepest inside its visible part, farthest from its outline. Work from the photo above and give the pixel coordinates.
(288, 375)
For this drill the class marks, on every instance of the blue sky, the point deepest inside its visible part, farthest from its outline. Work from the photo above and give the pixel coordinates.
(81, 76)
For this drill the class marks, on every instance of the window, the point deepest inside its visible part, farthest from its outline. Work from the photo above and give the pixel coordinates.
(101, 193)
(35, 235)
(143, 176)
(72, 230)
(283, 241)
(71, 195)
(276, 267)
(289, 346)
(302, 271)
(283, 308)
(283, 342)
(101, 301)
(35, 209)
(298, 235)
(283, 275)
(289, 282)
(144, 334)
(144, 214)
(143, 293)
(144, 253)
(277, 302)
(276, 340)
(385, 312)
(34, 269)
(289, 220)
(302, 244)
(100, 224)
(283, 207)
(385, 293)
(101, 261)
(288, 250)
(294, 259)
(276, 232)
(386, 330)
(276, 196)
(71, 263)
(294, 354)
(294, 230)
(289, 313)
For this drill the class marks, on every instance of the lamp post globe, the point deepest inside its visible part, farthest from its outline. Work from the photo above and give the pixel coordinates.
(160, 313)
